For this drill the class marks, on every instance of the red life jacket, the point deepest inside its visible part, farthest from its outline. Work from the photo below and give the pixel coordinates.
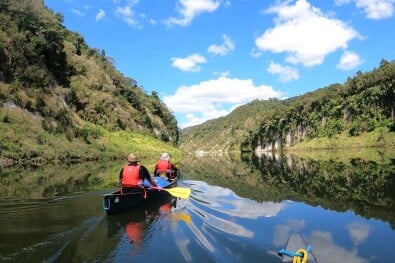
(130, 176)
(163, 166)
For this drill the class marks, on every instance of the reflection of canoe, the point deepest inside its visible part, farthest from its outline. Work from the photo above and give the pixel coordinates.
(143, 214)
(294, 244)
(117, 202)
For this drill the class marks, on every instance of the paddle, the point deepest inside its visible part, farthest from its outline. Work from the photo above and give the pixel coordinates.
(181, 216)
(180, 192)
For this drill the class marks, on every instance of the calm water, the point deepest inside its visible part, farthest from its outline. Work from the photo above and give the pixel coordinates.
(240, 210)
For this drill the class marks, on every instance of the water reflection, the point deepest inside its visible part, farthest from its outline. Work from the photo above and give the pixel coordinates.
(57, 180)
(241, 209)
(135, 227)
(236, 228)
(337, 183)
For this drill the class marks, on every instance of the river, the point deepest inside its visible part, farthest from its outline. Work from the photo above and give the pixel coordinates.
(241, 209)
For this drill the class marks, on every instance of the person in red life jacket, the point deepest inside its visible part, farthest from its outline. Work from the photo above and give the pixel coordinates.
(165, 167)
(132, 175)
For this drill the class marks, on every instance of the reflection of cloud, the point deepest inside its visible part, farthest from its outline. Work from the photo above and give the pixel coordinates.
(224, 225)
(358, 232)
(201, 238)
(282, 232)
(220, 197)
(326, 250)
(183, 248)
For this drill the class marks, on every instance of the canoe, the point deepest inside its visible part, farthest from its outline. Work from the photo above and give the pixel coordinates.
(294, 244)
(117, 202)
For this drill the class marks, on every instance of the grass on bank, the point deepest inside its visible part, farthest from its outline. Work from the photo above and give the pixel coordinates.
(22, 137)
(375, 146)
(380, 137)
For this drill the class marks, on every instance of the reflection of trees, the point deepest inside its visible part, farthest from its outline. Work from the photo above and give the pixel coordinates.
(54, 180)
(363, 186)
(233, 172)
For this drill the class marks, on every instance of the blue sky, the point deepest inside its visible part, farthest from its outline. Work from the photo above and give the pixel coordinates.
(206, 57)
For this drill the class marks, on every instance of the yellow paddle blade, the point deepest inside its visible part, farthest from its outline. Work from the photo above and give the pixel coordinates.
(181, 192)
(181, 216)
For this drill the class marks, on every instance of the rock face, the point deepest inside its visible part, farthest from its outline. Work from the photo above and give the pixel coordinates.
(278, 142)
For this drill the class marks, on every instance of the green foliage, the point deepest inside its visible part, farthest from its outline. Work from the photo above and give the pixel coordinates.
(57, 78)
(365, 103)
(228, 133)
(22, 139)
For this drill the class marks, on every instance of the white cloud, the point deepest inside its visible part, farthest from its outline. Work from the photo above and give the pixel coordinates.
(77, 12)
(285, 73)
(190, 63)
(342, 2)
(222, 74)
(373, 9)
(100, 15)
(223, 49)
(189, 9)
(215, 98)
(304, 34)
(376, 9)
(349, 60)
(128, 14)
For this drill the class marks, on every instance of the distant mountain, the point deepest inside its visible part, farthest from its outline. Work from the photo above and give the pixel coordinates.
(364, 104)
(49, 74)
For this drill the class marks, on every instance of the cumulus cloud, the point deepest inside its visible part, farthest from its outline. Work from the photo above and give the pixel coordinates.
(190, 63)
(373, 9)
(215, 98)
(223, 49)
(304, 34)
(349, 60)
(189, 9)
(100, 15)
(285, 73)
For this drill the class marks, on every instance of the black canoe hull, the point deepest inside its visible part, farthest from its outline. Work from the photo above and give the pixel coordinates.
(117, 202)
(114, 203)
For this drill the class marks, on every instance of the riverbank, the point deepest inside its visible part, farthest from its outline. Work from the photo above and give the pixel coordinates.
(379, 138)
(28, 144)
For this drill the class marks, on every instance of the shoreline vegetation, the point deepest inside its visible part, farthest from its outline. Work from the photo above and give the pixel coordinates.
(379, 138)
(24, 142)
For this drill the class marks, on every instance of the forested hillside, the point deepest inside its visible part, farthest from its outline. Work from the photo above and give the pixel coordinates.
(359, 112)
(227, 133)
(54, 87)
